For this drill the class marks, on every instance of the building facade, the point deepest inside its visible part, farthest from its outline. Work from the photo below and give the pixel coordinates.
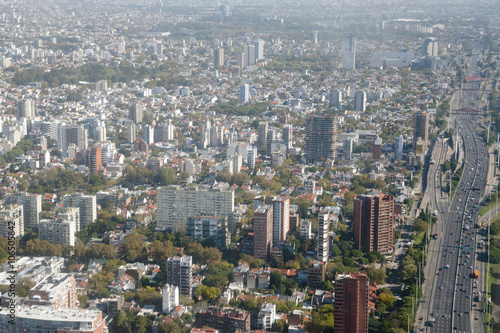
(87, 205)
(420, 128)
(180, 274)
(12, 221)
(351, 303)
(320, 137)
(323, 251)
(263, 231)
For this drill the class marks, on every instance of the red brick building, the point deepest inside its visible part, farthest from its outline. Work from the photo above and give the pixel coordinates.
(351, 303)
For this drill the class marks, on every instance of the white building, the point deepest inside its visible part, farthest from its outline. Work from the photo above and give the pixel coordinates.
(87, 205)
(170, 298)
(57, 231)
(267, 316)
(323, 239)
(12, 221)
(305, 229)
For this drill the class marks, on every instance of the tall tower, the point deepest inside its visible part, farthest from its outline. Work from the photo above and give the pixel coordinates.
(349, 51)
(287, 135)
(244, 93)
(420, 127)
(248, 55)
(336, 99)
(263, 231)
(320, 137)
(131, 133)
(180, 274)
(351, 303)
(219, 57)
(347, 149)
(259, 49)
(281, 218)
(374, 223)
(399, 147)
(136, 112)
(26, 108)
(360, 100)
(262, 136)
(323, 241)
(377, 148)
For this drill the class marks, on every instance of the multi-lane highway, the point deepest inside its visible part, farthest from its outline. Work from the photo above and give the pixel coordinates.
(454, 285)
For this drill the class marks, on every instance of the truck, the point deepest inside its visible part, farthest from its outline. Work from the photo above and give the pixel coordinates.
(476, 274)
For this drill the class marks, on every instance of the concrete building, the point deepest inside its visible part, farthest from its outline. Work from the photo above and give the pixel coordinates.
(26, 109)
(320, 138)
(316, 274)
(228, 322)
(430, 47)
(131, 133)
(248, 55)
(57, 290)
(57, 231)
(95, 159)
(176, 203)
(73, 134)
(136, 112)
(219, 57)
(164, 132)
(349, 51)
(263, 231)
(259, 49)
(398, 147)
(336, 99)
(149, 134)
(374, 223)
(170, 298)
(360, 101)
(32, 318)
(281, 218)
(420, 128)
(87, 205)
(12, 221)
(262, 137)
(180, 274)
(351, 303)
(377, 149)
(244, 93)
(287, 135)
(267, 316)
(323, 251)
(32, 206)
(347, 149)
(201, 227)
(251, 157)
(305, 229)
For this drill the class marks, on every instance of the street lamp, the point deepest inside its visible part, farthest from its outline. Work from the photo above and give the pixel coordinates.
(408, 322)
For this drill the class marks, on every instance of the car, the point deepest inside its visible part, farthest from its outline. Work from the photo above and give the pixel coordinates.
(476, 318)
(441, 287)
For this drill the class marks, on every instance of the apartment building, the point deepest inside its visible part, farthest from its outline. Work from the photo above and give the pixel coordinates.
(351, 303)
(57, 290)
(180, 274)
(12, 221)
(87, 205)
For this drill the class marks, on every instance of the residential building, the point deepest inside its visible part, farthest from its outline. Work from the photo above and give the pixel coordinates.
(170, 298)
(374, 223)
(176, 203)
(32, 318)
(347, 149)
(287, 135)
(377, 149)
(180, 274)
(351, 303)
(251, 157)
(305, 229)
(430, 47)
(259, 49)
(262, 137)
(244, 93)
(228, 322)
(95, 159)
(32, 206)
(360, 101)
(349, 51)
(323, 251)
(58, 231)
(12, 221)
(57, 290)
(267, 316)
(136, 112)
(87, 205)
(398, 147)
(201, 227)
(248, 55)
(149, 134)
(316, 274)
(131, 133)
(320, 137)
(281, 218)
(420, 128)
(263, 231)
(336, 99)
(73, 134)
(164, 132)
(26, 109)
(219, 57)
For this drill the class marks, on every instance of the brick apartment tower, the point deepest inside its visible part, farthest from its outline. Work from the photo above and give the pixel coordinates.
(351, 303)
(374, 223)
(263, 231)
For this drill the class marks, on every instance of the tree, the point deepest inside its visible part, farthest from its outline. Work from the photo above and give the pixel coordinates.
(100, 251)
(224, 176)
(376, 275)
(161, 251)
(420, 225)
(134, 247)
(166, 176)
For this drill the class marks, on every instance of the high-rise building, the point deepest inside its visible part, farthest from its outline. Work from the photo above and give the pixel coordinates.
(26, 108)
(420, 128)
(377, 148)
(58, 231)
(176, 203)
(287, 135)
(336, 99)
(131, 133)
(323, 251)
(32, 206)
(374, 223)
(262, 137)
(398, 147)
(219, 57)
(248, 55)
(180, 274)
(349, 51)
(12, 221)
(430, 47)
(87, 205)
(360, 101)
(100, 134)
(347, 149)
(270, 139)
(149, 134)
(244, 93)
(136, 112)
(281, 218)
(351, 303)
(58, 290)
(170, 298)
(164, 132)
(201, 227)
(101, 85)
(95, 159)
(259, 49)
(320, 137)
(73, 134)
(263, 231)
(251, 157)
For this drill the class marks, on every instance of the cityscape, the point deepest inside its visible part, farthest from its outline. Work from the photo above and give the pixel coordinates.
(222, 166)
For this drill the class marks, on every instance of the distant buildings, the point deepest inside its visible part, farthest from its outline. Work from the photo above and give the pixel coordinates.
(60, 230)
(244, 93)
(320, 138)
(377, 149)
(201, 227)
(73, 134)
(57, 290)
(349, 51)
(180, 274)
(351, 303)
(219, 57)
(136, 112)
(336, 99)
(347, 149)
(430, 47)
(420, 128)
(259, 49)
(26, 109)
(374, 223)
(398, 147)
(360, 101)
(263, 231)
(262, 137)
(32, 206)
(176, 203)
(287, 135)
